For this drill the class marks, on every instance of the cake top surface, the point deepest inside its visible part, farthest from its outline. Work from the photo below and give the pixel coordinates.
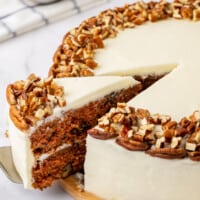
(151, 48)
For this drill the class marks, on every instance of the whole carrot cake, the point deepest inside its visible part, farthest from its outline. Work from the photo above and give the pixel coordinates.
(108, 59)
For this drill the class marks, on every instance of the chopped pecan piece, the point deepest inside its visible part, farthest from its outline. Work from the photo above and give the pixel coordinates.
(187, 12)
(196, 14)
(160, 142)
(169, 133)
(170, 125)
(180, 131)
(175, 142)
(195, 117)
(118, 118)
(142, 113)
(159, 119)
(195, 137)
(185, 122)
(190, 146)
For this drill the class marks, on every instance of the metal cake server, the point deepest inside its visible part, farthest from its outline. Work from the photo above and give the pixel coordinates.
(7, 165)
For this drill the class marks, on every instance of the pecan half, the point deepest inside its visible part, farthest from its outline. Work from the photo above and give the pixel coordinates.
(10, 95)
(195, 156)
(17, 119)
(132, 144)
(100, 134)
(167, 153)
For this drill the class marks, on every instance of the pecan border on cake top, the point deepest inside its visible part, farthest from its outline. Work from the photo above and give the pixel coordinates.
(155, 134)
(76, 55)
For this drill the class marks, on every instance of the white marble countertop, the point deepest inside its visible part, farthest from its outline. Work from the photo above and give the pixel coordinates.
(32, 53)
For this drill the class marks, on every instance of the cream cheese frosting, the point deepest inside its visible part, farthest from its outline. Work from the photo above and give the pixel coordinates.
(153, 47)
(79, 91)
(22, 155)
(148, 49)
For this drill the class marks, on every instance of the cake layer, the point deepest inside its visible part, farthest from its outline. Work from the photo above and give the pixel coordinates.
(112, 172)
(59, 165)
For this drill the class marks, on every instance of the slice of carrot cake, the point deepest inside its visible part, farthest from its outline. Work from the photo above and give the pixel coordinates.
(48, 120)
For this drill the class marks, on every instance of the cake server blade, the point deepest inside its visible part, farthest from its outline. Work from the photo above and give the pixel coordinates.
(7, 165)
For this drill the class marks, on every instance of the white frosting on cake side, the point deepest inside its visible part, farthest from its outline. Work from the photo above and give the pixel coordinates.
(78, 92)
(150, 48)
(22, 155)
(114, 173)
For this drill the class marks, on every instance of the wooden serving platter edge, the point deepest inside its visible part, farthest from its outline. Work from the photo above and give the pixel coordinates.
(72, 186)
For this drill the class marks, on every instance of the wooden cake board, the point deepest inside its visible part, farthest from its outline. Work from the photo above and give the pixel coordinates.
(72, 186)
